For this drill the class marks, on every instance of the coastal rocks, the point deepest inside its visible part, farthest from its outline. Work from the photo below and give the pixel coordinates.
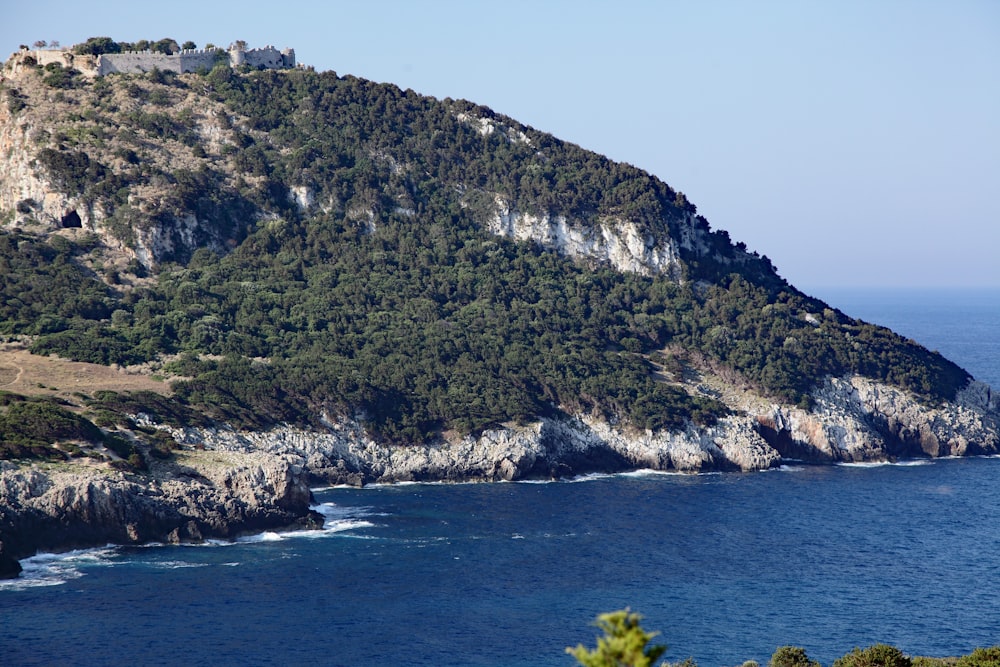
(853, 419)
(224, 482)
(9, 567)
(345, 454)
(201, 496)
(857, 419)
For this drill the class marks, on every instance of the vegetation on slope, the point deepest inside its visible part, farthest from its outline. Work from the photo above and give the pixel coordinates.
(388, 299)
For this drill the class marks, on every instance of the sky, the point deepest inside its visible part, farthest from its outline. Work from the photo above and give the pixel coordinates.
(855, 143)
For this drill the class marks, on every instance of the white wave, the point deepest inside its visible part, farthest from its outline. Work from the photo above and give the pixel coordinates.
(53, 569)
(266, 536)
(907, 463)
(652, 472)
(173, 564)
(332, 487)
(864, 464)
(210, 542)
(596, 476)
(784, 467)
(443, 482)
(335, 511)
(336, 519)
(591, 477)
(342, 525)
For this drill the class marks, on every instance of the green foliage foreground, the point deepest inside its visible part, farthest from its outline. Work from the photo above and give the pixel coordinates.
(626, 644)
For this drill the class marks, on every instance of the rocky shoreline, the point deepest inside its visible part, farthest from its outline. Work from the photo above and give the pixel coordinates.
(45, 507)
(225, 483)
(853, 420)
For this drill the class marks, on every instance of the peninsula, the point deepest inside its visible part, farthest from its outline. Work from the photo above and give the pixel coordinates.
(227, 278)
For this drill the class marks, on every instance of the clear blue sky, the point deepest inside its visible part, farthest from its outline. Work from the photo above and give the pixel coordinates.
(856, 143)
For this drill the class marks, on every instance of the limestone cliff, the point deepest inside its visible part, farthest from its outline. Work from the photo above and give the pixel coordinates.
(619, 243)
(854, 419)
(99, 171)
(204, 494)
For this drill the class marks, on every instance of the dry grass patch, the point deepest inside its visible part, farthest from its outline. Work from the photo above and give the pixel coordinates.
(32, 375)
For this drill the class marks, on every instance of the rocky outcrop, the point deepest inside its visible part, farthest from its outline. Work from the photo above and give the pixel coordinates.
(548, 448)
(154, 224)
(9, 567)
(627, 245)
(24, 188)
(619, 243)
(857, 419)
(854, 419)
(207, 495)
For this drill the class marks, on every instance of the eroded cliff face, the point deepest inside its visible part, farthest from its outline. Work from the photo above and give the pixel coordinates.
(24, 187)
(96, 132)
(202, 495)
(854, 419)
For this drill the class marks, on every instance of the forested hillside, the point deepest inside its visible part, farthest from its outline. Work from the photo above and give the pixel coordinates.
(323, 248)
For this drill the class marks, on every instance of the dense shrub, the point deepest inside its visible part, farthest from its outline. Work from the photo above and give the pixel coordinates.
(30, 427)
(791, 656)
(878, 655)
(981, 657)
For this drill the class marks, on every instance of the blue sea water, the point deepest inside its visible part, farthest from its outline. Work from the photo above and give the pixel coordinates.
(726, 566)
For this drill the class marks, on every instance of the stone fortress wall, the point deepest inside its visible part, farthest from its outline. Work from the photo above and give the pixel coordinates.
(192, 60)
(136, 62)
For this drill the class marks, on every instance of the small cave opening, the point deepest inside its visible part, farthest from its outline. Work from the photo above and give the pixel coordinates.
(71, 219)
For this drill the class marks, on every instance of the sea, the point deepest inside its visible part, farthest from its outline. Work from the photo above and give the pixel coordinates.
(726, 567)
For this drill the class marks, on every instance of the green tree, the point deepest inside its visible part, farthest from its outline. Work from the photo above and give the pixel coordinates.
(624, 643)
(981, 657)
(877, 655)
(166, 46)
(97, 46)
(791, 656)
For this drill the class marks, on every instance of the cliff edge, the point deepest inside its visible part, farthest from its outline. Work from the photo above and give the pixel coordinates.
(200, 495)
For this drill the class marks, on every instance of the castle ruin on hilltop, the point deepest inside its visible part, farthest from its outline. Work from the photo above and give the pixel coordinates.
(137, 62)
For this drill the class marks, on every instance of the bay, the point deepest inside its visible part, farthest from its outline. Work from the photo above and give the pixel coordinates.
(726, 566)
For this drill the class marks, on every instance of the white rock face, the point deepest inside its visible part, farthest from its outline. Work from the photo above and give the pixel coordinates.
(547, 448)
(486, 127)
(21, 182)
(49, 508)
(302, 196)
(616, 242)
(855, 419)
